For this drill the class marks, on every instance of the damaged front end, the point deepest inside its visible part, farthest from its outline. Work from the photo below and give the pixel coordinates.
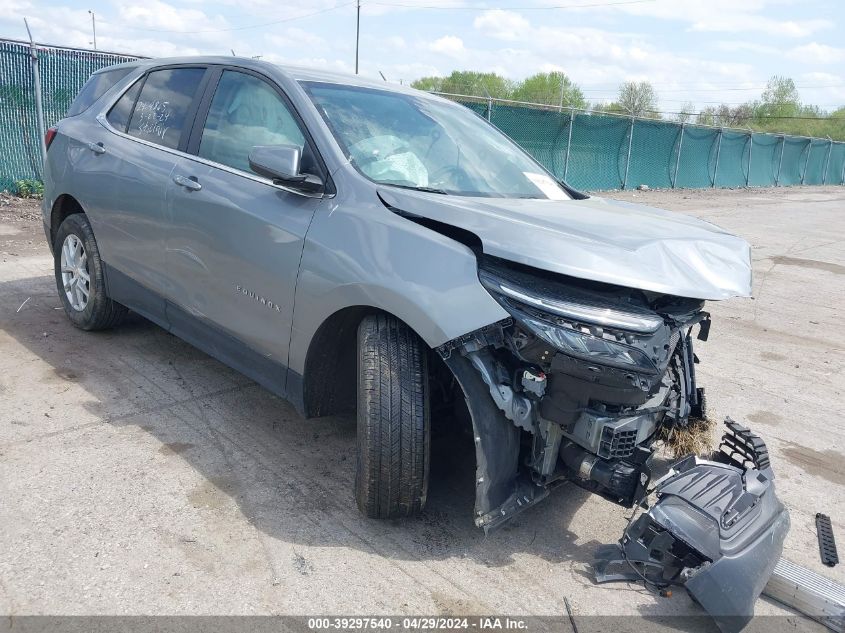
(578, 385)
(717, 529)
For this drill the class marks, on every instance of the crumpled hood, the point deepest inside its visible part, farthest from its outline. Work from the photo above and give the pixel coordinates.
(597, 239)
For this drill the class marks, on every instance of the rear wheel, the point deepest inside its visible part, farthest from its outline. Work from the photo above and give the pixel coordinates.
(79, 277)
(391, 479)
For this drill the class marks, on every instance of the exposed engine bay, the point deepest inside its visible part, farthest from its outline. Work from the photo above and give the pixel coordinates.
(591, 374)
(583, 380)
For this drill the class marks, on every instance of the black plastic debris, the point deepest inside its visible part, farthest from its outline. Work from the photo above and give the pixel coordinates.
(827, 544)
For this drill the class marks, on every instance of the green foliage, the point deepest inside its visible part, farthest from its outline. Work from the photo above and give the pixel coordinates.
(553, 88)
(468, 82)
(639, 99)
(545, 88)
(779, 108)
(29, 188)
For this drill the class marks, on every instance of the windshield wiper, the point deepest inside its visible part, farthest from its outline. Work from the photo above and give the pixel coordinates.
(419, 188)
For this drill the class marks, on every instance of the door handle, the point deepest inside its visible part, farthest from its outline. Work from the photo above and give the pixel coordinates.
(188, 183)
(97, 148)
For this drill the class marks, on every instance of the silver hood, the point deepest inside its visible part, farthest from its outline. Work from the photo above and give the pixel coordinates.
(597, 239)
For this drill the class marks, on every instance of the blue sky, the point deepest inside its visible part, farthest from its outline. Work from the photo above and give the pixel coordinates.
(700, 51)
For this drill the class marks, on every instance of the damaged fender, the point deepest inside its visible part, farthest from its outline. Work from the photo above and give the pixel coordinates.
(499, 492)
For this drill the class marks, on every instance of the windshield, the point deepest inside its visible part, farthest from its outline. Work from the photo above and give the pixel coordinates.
(421, 143)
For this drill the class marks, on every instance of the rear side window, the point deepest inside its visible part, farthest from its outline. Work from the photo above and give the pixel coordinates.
(161, 111)
(119, 115)
(95, 88)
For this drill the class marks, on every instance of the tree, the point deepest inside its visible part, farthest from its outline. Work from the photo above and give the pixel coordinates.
(468, 82)
(429, 84)
(638, 99)
(727, 116)
(686, 113)
(553, 88)
(780, 98)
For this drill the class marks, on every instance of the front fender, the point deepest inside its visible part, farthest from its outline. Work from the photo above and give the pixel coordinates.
(358, 253)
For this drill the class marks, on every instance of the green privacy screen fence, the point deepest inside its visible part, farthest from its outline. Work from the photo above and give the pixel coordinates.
(590, 151)
(593, 151)
(62, 72)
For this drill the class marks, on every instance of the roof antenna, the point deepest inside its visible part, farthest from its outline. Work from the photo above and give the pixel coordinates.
(382, 75)
(233, 52)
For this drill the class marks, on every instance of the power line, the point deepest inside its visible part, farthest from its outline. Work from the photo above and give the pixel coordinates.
(716, 89)
(234, 28)
(517, 8)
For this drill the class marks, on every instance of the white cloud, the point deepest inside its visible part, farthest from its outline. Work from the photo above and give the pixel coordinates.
(503, 25)
(155, 14)
(395, 42)
(815, 53)
(448, 45)
(296, 38)
(739, 23)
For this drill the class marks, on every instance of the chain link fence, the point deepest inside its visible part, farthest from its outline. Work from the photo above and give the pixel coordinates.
(595, 151)
(591, 151)
(62, 72)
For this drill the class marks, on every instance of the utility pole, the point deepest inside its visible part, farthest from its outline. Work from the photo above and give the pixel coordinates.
(93, 27)
(357, 35)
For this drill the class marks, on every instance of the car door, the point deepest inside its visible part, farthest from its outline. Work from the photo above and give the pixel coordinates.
(235, 239)
(138, 149)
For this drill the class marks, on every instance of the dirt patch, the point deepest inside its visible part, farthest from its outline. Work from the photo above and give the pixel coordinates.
(449, 605)
(174, 448)
(772, 356)
(828, 464)
(21, 231)
(813, 264)
(765, 417)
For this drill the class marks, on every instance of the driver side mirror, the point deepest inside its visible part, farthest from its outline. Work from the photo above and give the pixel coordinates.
(281, 164)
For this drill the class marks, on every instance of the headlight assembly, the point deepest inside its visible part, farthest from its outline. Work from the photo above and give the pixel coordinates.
(558, 321)
(586, 346)
(582, 313)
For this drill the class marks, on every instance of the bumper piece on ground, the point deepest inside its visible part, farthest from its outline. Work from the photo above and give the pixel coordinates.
(717, 529)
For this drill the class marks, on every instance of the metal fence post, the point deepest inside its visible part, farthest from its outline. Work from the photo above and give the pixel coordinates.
(678, 159)
(780, 160)
(718, 151)
(489, 107)
(842, 177)
(628, 159)
(750, 149)
(807, 162)
(39, 106)
(568, 143)
(827, 162)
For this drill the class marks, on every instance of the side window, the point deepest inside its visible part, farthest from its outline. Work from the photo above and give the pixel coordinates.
(162, 108)
(246, 111)
(95, 88)
(120, 112)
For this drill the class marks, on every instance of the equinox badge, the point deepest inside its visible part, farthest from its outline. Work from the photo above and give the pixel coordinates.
(258, 298)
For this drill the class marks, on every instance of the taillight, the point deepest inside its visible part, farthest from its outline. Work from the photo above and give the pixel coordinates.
(49, 136)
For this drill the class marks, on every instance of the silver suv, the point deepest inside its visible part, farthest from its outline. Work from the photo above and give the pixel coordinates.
(358, 246)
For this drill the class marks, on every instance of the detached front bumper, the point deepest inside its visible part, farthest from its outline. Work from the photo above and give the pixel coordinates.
(717, 529)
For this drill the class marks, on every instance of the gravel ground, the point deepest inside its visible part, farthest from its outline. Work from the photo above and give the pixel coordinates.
(139, 476)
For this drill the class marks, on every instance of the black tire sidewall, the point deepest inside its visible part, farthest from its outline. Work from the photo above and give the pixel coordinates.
(89, 318)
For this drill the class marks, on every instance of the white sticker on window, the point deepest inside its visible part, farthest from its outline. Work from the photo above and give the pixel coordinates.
(545, 184)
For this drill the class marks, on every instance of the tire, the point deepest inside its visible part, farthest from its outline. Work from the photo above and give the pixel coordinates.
(391, 478)
(97, 311)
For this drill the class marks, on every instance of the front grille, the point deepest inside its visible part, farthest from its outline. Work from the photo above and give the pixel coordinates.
(616, 443)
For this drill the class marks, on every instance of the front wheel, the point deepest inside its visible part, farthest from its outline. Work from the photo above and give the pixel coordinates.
(391, 479)
(79, 277)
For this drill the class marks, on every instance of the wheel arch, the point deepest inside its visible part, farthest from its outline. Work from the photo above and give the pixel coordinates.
(64, 206)
(328, 382)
